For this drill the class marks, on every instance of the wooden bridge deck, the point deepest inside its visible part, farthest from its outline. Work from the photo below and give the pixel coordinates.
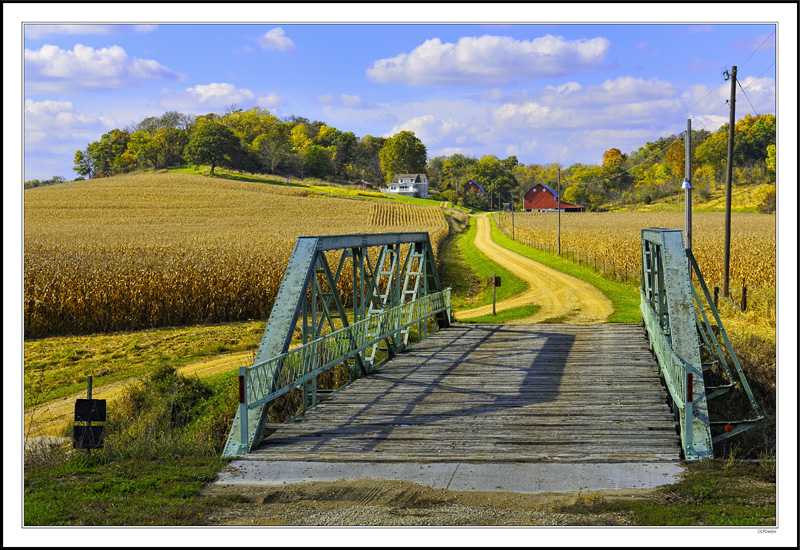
(495, 393)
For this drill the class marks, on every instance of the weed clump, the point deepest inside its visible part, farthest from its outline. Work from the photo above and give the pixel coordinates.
(169, 414)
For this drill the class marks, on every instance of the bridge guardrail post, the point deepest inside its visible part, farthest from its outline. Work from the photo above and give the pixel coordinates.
(243, 425)
(689, 418)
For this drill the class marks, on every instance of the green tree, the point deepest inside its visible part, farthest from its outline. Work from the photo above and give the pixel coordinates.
(367, 161)
(213, 143)
(272, 148)
(495, 177)
(403, 153)
(83, 163)
(771, 159)
(455, 173)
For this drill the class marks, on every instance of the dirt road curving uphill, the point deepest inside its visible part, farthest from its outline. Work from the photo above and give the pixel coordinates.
(561, 296)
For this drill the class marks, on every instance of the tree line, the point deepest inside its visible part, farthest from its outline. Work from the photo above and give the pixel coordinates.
(256, 141)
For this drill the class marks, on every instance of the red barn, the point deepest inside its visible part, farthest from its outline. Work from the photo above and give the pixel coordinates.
(542, 197)
(474, 185)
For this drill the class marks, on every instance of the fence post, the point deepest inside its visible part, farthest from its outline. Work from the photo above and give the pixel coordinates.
(744, 297)
(716, 296)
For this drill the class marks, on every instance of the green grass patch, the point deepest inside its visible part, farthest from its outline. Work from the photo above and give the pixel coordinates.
(711, 493)
(162, 445)
(58, 366)
(624, 297)
(504, 316)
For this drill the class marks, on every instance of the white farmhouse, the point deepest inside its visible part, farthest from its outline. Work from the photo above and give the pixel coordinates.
(409, 185)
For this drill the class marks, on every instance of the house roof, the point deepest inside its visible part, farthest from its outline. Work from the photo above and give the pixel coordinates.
(479, 186)
(416, 177)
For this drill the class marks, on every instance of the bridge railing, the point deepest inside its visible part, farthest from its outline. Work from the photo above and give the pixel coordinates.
(678, 375)
(268, 380)
(355, 300)
(668, 315)
(670, 306)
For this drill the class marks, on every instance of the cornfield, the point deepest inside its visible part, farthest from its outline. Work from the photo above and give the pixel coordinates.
(134, 252)
(612, 241)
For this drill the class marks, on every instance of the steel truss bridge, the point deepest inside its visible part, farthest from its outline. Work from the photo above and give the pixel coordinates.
(364, 306)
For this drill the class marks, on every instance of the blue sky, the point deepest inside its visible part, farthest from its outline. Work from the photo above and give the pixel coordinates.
(543, 92)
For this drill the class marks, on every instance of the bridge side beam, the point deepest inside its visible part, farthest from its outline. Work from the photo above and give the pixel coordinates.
(681, 332)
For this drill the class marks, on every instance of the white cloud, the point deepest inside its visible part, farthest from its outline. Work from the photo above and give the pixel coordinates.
(58, 127)
(214, 97)
(276, 39)
(533, 115)
(270, 101)
(489, 60)
(765, 41)
(433, 131)
(41, 31)
(343, 100)
(694, 29)
(710, 107)
(51, 69)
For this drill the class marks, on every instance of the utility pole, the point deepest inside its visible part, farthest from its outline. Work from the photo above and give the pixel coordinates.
(687, 185)
(728, 184)
(513, 230)
(558, 207)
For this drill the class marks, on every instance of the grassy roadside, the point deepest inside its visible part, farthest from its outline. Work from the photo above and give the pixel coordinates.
(162, 446)
(465, 270)
(715, 492)
(58, 366)
(624, 297)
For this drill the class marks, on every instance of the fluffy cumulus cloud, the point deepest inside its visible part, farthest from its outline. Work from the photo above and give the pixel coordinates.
(41, 31)
(487, 60)
(437, 132)
(276, 39)
(622, 101)
(52, 69)
(58, 127)
(270, 101)
(210, 97)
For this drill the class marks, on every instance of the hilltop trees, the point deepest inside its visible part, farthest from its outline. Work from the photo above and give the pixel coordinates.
(213, 143)
(403, 153)
(255, 140)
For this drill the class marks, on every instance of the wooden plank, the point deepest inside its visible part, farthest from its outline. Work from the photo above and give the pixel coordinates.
(496, 393)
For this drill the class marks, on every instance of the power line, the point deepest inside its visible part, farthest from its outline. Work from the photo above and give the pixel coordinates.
(748, 99)
(758, 48)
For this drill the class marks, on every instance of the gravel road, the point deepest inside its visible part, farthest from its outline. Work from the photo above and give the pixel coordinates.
(560, 296)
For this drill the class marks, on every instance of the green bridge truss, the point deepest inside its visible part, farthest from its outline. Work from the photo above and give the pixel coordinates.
(394, 289)
(681, 334)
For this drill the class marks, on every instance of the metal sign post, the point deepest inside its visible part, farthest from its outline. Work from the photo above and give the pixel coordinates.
(494, 280)
(89, 410)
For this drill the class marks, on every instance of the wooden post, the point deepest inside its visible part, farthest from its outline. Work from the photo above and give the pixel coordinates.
(744, 296)
(494, 291)
(716, 296)
(89, 396)
(728, 184)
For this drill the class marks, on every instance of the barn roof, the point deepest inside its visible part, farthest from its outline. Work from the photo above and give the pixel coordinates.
(479, 186)
(553, 191)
